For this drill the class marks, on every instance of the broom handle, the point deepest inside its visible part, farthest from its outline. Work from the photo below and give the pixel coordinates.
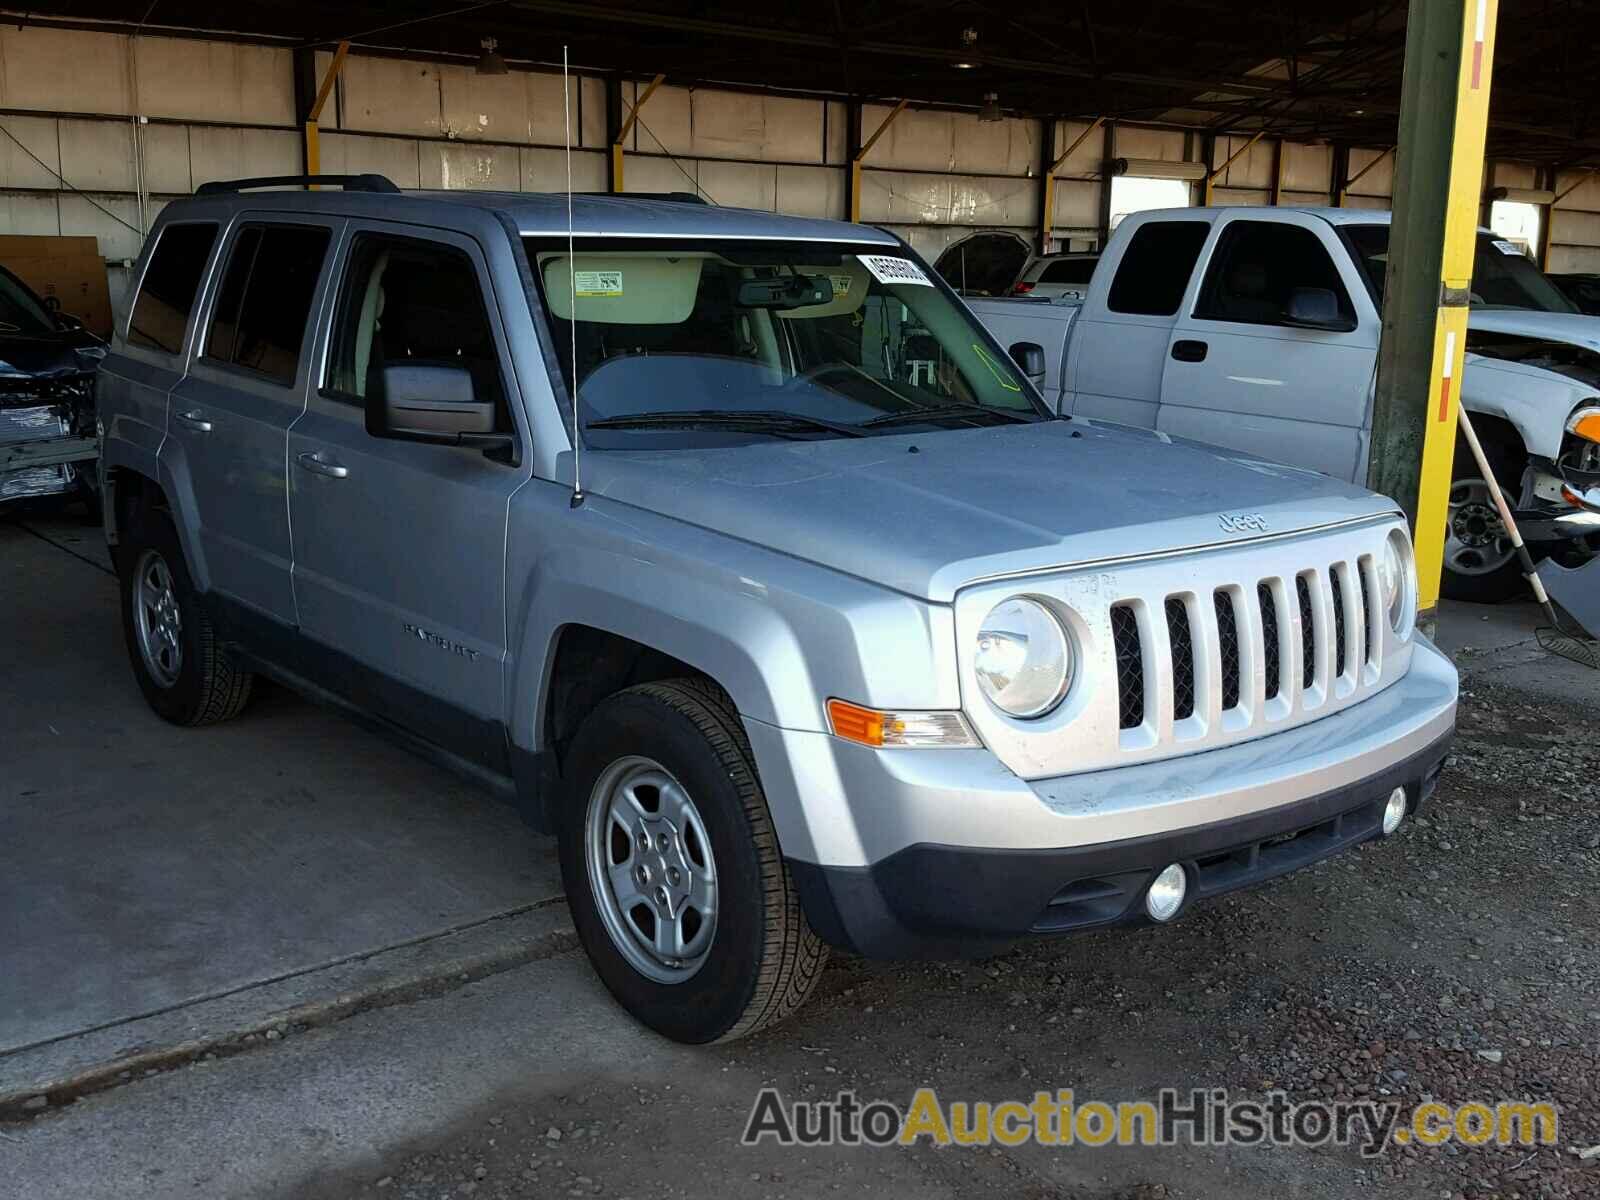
(1523, 556)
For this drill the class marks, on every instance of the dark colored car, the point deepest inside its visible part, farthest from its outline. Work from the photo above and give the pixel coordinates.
(47, 425)
(1582, 289)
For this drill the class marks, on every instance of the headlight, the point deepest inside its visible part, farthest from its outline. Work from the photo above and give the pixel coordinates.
(1397, 581)
(1585, 422)
(1024, 658)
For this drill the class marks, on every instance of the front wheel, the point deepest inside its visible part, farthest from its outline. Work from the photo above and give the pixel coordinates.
(672, 868)
(1480, 563)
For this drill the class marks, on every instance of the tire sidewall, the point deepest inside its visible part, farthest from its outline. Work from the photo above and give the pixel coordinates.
(152, 530)
(710, 1002)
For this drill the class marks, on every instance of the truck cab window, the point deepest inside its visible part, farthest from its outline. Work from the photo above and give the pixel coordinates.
(1257, 267)
(1155, 268)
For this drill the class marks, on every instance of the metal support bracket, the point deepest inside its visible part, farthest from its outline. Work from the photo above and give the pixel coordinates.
(628, 123)
(855, 162)
(313, 140)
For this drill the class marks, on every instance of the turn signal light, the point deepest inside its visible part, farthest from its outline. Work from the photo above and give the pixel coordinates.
(911, 730)
(1586, 424)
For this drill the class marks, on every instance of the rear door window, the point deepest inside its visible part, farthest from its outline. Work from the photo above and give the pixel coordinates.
(1155, 268)
(261, 312)
(171, 281)
(1256, 269)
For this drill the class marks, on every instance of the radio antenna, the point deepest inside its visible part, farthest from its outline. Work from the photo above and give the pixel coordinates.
(572, 290)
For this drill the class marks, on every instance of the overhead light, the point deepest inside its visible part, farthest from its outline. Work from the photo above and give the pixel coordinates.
(990, 111)
(1154, 168)
(969, 41)
(1522, 195)
(490, 62)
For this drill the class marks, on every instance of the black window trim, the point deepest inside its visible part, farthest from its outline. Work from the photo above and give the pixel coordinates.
(201, 298)
(334, 226)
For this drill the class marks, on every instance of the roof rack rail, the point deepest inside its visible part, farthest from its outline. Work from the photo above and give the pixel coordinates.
(670, 197)
(350, 183)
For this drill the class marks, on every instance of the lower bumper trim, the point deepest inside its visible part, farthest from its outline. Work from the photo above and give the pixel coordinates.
(930, 901)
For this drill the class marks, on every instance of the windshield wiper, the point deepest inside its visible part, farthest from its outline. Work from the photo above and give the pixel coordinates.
(941, 411)
(756, 421)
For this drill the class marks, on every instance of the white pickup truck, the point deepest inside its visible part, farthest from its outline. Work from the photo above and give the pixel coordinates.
(1257, 329)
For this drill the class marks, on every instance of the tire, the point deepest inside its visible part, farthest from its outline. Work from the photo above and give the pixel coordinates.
(192, 681)
(755, 960)
(1479, 581)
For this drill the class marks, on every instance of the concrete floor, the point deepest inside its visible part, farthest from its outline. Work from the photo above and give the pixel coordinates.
(145, 869)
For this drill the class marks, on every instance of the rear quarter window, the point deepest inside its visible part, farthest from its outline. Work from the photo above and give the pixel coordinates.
(1155, 268)
(165, 302)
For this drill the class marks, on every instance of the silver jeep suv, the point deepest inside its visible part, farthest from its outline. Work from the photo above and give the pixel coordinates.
(844, 640)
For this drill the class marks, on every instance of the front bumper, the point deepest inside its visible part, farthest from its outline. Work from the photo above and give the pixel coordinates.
(946, 854)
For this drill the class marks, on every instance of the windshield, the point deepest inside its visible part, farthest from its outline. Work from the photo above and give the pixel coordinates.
(1502, 275)
(20, 310)
(724, 342)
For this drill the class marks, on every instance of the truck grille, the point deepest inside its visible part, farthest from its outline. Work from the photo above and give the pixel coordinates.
(1182, 658)
(1272, 659)
(1130, 665)
(1228, 647)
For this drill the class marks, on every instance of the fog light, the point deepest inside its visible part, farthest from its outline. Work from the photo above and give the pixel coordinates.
(1394, 811)
(1165, 896)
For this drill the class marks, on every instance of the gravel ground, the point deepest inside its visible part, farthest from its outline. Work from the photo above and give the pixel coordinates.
(1456, 961)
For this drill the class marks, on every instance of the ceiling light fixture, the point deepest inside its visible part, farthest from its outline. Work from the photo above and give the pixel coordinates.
(969, 41)
(490, 62)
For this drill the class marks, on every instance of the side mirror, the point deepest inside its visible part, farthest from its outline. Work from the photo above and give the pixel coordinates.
(1316, 308)
(431, 402)
(1030, 357)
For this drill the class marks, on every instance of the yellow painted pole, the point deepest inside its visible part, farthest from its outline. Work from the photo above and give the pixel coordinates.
(1047, 217)
(1450, 329)
(1344, 188)
(312, 131)
(855, 163)
(627, 128)
(1212, 178)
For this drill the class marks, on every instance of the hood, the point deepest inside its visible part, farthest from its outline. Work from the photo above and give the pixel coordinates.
(925, 514)
(47, 357)
(1574, 329)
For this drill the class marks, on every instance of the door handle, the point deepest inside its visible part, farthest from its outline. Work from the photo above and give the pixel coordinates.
(193, 419)
(320, 466)
(1188, 351)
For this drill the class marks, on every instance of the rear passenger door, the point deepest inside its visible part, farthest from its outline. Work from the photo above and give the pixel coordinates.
(400, 546)
(1238, 374)
(1120, 340)
(230, 416)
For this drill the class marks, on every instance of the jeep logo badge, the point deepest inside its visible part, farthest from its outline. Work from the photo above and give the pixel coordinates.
(1242, 522)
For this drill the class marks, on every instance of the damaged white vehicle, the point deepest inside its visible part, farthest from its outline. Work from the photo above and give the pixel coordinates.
(1257, 329)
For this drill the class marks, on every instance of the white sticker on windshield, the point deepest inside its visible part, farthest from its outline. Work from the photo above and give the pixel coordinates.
(597, 283)
(1507, 247)
(887, 268)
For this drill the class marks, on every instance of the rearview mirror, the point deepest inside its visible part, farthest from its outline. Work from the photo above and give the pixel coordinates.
(1029, 356)
(432, 402)
(785, 291)
(1316, 308)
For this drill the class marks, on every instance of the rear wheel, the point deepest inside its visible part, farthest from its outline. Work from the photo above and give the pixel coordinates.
(672, 868)
(184, 672)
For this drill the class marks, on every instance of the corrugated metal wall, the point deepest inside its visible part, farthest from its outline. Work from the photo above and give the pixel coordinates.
(129, 123)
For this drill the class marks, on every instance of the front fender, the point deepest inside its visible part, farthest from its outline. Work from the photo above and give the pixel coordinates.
(1537, 402)
(779, 635)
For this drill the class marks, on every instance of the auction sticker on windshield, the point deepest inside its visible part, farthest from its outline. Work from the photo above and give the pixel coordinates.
(597, 283)
(886, 268)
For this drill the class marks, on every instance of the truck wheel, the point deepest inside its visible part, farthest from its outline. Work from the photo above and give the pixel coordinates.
(185, 674)
(672, 869)
(1480, 564)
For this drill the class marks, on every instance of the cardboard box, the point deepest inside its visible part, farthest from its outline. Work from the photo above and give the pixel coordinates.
(68, 268)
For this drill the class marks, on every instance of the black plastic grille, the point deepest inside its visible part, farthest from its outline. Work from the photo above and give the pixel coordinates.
(1182, 659)
(1337, 587)
(1130, 665)
(1228, 643)
(1308, 634)
(1269, 636)
(1368, 618)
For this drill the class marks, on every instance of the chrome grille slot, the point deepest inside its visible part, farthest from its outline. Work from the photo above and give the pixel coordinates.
(1130, 665)
(1227, 647)
(1340, 663)
(1271, 656)
(1308, 634)
(1183, 671)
